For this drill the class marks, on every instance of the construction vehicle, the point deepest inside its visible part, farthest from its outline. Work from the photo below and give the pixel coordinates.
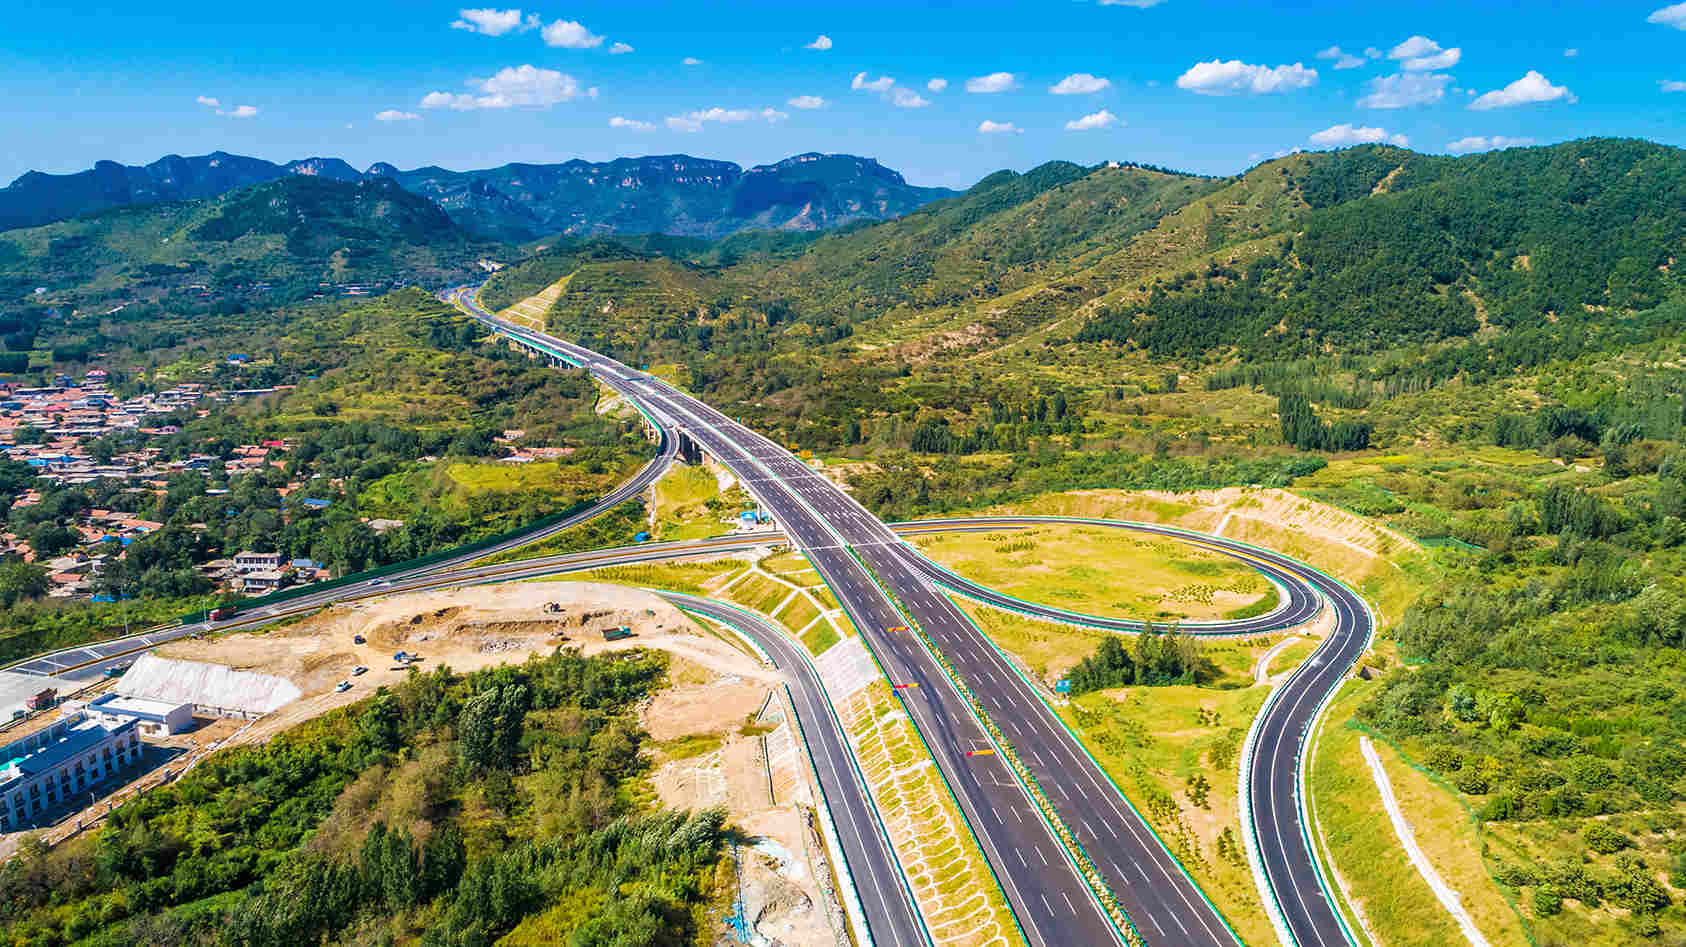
(617, 633)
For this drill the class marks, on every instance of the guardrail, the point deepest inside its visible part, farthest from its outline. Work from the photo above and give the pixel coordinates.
(857, 912)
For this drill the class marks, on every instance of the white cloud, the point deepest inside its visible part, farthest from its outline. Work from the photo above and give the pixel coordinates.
(1372, 52)
(1235, 76)
(690, 61)
(489, 22)
(239, 111)
(511, 87)
(1337, 136)
(988, 127)
(994, 82)
(1674, 16)
(394, 115)
(880, 84)
(209, 100)
(899, 96)
(806, 102)
(1571, 52)
(620, 49)
(1414, 47)
(631, 124)
(937, 85)
(1080, 83)
(1405, 89)
(568, 34)
(1138, 4)
(1673, 85)
(1528, 90)
(694, 121)
(1421, 54)
(1094, 120)
(905, 98)
(1445, 59)
(1485, 143)
(1343, 59)
(821, 42)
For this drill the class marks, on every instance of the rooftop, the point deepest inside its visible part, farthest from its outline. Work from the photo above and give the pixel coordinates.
(78, 739)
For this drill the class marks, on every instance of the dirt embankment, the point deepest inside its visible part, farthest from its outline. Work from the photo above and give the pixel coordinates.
(720, 732)
(465, 629)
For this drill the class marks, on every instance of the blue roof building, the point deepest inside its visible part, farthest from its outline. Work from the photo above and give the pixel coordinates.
(52, 768)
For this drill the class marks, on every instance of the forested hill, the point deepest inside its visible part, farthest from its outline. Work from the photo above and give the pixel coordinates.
(1399, 247)
(302, 230)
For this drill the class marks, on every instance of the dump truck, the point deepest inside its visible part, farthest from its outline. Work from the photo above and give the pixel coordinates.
(617, 633)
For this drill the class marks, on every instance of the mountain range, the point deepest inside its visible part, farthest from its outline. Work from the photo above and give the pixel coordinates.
(675, 194)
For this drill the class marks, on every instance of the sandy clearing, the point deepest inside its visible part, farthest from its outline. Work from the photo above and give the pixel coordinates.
(464, 628)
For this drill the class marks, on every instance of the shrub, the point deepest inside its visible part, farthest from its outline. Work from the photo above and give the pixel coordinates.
(1605, 839)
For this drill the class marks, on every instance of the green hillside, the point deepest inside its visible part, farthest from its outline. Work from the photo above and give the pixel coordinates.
(299, 230)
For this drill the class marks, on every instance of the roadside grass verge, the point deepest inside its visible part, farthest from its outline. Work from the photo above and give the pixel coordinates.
(956, 892)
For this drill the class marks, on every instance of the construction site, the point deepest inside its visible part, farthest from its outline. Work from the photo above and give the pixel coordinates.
(722, 730)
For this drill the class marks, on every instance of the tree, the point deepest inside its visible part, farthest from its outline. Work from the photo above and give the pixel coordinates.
(21, 580)
(490, 726)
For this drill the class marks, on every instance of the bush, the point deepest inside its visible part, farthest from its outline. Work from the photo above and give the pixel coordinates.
(1604, 839)
(1547, 901)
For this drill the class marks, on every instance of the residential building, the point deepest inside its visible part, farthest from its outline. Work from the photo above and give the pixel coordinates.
(257, 561)
(54, 766)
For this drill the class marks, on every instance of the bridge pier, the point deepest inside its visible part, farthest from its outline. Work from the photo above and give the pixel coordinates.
(689, 450)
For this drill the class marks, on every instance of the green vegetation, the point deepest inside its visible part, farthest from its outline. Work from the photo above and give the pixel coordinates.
(291, 233)
(1103, 571)
(1153, 658)
(451, 810)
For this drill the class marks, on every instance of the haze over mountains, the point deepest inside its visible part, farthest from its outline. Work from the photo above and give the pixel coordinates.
(675, 194)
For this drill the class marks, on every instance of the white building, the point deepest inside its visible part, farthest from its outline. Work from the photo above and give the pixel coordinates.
(52, 767)
(155, 718)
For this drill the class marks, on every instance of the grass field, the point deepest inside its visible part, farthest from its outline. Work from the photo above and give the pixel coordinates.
(952, 884)
(1389, 892)
(691, 578)
(686, 503)
(1103, 571)
(1158, 744)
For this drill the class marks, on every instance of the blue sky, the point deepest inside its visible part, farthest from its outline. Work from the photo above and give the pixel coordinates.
(1202, 85)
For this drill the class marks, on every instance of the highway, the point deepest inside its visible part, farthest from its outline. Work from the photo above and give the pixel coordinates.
(891, 916)
(868, 569)
(872, 572)
(884, 584)
(1281, 724)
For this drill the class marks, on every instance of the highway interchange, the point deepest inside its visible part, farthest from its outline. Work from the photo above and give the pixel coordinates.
(883, 583)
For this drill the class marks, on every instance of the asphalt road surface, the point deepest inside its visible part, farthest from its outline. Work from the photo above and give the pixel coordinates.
(872, 573)
(865, 564)
(891, 916)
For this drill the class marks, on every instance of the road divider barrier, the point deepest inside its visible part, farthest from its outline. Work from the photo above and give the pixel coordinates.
(1003, 748)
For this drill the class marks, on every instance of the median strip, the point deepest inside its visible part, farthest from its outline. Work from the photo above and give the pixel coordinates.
(1091, 875)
